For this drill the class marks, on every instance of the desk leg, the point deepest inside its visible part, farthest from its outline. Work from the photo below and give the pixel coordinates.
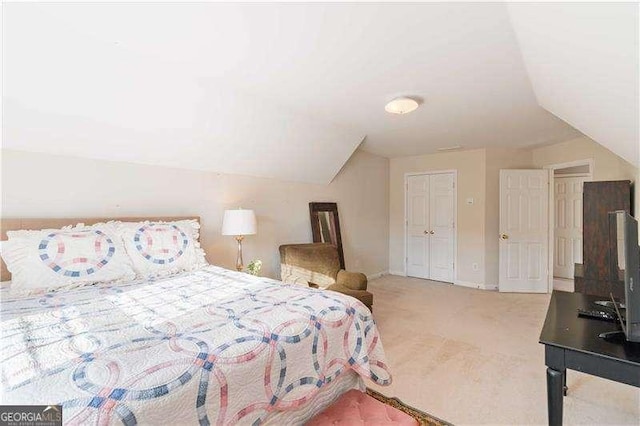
(555, 390)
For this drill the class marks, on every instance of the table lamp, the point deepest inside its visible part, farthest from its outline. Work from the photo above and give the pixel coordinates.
(239, 223)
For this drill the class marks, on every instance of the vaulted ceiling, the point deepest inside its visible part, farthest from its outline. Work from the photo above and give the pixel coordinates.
(286, 91)
(583, 63)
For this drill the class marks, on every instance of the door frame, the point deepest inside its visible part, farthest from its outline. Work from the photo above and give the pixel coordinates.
(455, 217)
(552, 204)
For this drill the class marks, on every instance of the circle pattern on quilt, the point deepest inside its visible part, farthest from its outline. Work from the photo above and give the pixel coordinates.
(161, 250)
(53, 253)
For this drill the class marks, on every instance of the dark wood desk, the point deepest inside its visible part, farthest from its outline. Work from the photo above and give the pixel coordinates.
(572, 342)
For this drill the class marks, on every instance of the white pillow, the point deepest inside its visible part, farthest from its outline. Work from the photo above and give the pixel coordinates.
(162, 248)
(49, 259)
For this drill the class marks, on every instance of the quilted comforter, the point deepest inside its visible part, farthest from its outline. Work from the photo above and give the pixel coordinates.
(210, 346)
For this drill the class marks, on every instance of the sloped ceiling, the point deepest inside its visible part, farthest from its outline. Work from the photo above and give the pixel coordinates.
(88, 80)
(583, 62)
(286, 91)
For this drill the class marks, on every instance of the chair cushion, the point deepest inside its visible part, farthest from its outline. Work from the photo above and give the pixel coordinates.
(362, 295)
(358, 408)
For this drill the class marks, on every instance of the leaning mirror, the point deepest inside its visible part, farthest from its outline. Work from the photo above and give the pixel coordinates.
(325, 226)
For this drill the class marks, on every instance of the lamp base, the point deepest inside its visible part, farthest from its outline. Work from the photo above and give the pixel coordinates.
(239, 265)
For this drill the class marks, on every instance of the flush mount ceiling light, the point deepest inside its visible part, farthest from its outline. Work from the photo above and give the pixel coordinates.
(401, 106)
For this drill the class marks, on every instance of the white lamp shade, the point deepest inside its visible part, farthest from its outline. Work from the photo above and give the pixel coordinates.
(239, 222)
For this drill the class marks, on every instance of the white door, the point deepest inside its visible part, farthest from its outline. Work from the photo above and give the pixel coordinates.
(431, 226)
(524, 227)
(418, 226)
(441, 212)
(568, 225)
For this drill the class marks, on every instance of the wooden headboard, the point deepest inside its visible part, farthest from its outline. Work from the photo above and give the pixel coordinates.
(11, 224)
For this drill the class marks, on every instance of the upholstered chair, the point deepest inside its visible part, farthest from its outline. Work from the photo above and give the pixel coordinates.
(318, 265)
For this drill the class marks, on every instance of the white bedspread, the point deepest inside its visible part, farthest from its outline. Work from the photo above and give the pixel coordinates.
(211, 346)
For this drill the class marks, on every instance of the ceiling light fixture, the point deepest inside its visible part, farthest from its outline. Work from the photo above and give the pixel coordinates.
(401, 106)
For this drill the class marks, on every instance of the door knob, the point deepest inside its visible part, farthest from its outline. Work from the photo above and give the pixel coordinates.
(431, 232)
(426, 232)
(504, 236)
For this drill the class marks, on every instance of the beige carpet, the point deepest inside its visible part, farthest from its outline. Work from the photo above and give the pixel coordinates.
(472, 357)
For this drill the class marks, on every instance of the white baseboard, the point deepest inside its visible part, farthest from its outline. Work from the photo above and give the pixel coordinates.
(377, 275)
(457, 282)
(475, 285)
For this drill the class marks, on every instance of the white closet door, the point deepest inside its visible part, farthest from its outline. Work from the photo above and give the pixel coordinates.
(568, 225)
(418, 226)
(524, 226)
(441, 213)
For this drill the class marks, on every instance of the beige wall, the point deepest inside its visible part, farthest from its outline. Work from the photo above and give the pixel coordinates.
(607, 165)
(369, 191)
(478, 178)
(42, 185)
(497, 159)
(470, 227)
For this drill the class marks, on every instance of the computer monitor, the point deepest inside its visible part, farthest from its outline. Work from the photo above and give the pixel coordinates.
(626, 258)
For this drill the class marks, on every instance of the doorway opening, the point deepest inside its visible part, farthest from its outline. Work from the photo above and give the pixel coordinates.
(566, 181)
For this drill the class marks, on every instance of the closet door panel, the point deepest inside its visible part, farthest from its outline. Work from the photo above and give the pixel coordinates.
(441, 213)
(418, 247)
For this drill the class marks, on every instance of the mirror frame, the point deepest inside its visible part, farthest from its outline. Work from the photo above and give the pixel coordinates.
(314, 209)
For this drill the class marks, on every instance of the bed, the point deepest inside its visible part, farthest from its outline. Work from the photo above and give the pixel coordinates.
(211, 346)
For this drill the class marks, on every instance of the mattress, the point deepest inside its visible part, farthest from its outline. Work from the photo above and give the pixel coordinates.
(210, 346)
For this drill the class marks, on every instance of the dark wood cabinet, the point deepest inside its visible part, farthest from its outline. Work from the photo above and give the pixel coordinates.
(596, 275)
